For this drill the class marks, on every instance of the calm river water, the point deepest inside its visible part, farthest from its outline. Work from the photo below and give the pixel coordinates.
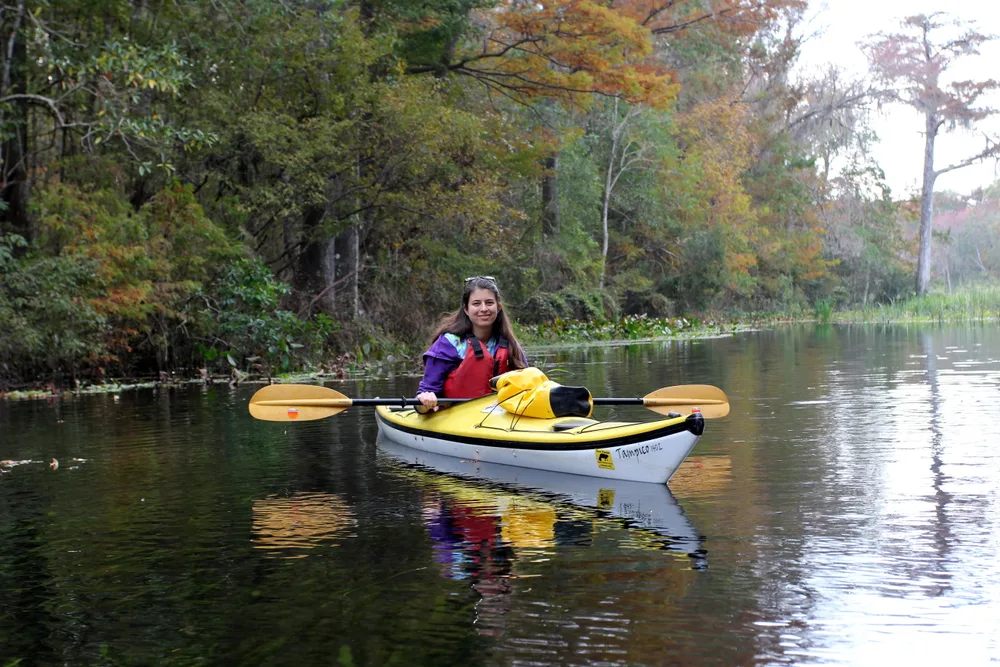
(846, 512)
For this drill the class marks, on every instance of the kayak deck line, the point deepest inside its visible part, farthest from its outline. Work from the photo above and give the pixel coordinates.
(585, 426)
(580, 429)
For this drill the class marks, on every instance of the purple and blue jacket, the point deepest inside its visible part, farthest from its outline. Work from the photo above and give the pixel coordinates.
(444, 356)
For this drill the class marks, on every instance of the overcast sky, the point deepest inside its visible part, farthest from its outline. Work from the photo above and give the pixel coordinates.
(841, 24)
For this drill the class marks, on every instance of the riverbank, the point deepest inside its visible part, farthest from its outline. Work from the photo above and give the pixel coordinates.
(406, 360)
(972, 304)
(640, 328)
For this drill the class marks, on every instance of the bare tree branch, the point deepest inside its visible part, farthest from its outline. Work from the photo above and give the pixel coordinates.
(992, 150)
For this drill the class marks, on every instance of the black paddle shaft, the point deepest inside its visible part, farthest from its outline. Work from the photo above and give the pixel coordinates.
(619, 401)
(406, 402)
(403, 401)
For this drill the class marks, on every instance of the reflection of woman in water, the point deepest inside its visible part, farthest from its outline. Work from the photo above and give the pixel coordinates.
(467, 544)
(444, 540)
(494, 586)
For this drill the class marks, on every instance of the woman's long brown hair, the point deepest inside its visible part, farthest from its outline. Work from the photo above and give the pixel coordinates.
(459, 324)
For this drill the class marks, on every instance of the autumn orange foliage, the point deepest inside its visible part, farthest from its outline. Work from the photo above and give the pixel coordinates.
(568, 50)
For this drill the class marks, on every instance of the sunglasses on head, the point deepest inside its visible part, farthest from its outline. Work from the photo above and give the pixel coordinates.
(489, 278)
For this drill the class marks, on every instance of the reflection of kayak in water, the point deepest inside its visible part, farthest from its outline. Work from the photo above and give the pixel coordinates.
(537, 507)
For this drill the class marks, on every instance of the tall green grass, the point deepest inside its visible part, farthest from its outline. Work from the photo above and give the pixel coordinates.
(824, 311)
(970, 303)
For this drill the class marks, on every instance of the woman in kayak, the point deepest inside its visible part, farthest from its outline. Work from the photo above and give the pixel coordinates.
(470, 346)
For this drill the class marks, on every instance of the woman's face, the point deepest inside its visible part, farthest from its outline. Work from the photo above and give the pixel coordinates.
(482, 308)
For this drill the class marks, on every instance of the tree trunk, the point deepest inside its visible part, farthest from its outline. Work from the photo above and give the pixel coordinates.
(326, 300)
(15, 177)
(927, 206)
(14, 180)
(290, 249)
(139, 9)
(606, 197)
(349, 263)
(868, 276)
(348, 240)
(550, 196)
(354, 284)
(980, 265)
(316, 268)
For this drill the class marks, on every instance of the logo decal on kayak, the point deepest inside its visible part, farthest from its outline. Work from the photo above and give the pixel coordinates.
(605, 498)
(604, 460)
(489, 408)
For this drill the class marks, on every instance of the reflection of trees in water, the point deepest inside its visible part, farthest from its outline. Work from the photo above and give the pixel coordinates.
(941, 530)
(285, 526)
(27, 585)
(702, 475)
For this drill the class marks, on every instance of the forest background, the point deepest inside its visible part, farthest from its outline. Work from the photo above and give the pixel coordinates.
(260, 186)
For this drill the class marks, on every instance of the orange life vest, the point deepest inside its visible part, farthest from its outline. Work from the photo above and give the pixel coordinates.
(472, 377)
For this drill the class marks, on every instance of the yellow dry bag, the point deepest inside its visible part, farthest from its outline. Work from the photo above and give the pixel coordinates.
(527, 392)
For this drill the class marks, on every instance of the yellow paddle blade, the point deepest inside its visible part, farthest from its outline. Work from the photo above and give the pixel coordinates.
(681, 398)
(297, 403)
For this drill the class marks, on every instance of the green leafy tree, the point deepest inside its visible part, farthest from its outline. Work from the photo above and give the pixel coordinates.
(51, 327)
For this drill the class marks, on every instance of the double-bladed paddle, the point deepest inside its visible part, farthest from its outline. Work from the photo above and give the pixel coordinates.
(305, 402)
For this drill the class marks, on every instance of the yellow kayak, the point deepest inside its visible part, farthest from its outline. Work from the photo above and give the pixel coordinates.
(483, 431)
(479, 429)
